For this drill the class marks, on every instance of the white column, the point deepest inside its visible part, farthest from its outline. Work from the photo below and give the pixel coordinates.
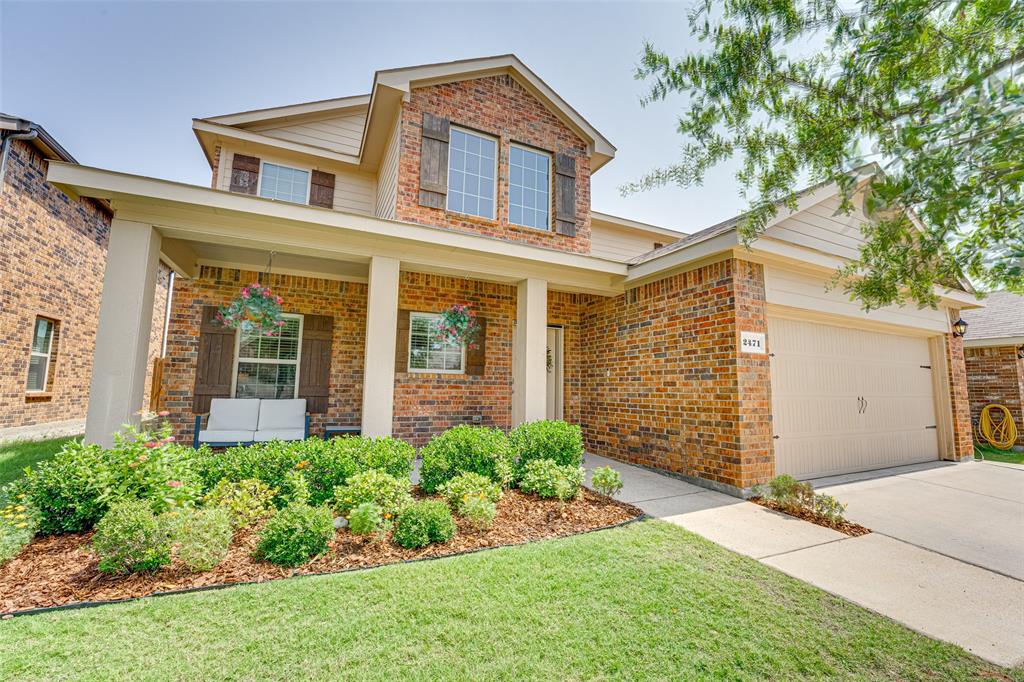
(379, 353)
(122, 338)
(529, 398)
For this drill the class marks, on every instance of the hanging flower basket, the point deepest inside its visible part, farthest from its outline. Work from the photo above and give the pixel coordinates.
(458, 325)
(256, 310)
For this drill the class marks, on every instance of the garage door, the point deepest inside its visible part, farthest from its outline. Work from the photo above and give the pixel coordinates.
(848, 399)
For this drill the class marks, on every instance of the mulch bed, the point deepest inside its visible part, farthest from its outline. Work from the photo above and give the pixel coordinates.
(62, 570)
(851, 529)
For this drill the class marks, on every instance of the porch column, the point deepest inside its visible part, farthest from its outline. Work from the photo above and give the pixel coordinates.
(529, 397)
(379, 358)
(122, 338)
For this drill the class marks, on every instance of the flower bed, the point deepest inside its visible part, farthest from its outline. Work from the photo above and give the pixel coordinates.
(797, 498)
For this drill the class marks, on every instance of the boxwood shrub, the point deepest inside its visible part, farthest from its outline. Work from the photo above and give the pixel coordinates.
(547, 478)
(551, 439)
(389, 493)
(424, 522)
(130, 538)
(465, 449)
(296, 534)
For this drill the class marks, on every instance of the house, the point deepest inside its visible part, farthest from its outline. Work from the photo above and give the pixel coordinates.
(994, 351)
(469, 182)
(53, 249)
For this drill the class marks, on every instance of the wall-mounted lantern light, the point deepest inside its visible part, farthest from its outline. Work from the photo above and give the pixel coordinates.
(959, 327)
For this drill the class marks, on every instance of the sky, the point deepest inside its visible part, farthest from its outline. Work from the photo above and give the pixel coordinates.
(118, 83)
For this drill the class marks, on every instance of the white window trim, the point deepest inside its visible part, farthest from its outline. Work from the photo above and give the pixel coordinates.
(551, 176)
(427, 370)
(37, 354)
(307, 171)
(297, 361)
(497, 158)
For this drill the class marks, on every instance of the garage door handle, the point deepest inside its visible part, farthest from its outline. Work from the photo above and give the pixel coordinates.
(865, 405)
(860, 405)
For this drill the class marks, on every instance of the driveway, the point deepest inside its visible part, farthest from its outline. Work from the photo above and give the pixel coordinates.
(944, 558)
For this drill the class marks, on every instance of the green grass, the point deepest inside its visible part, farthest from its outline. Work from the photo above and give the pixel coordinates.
(992, 454)
(646, 601)
(14, 457)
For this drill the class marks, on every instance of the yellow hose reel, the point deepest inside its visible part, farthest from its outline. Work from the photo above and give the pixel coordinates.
(1001, 434)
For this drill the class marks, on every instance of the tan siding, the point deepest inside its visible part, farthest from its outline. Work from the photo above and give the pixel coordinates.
(354, 191)
(341, 134)
(620, 245)
(823, 228)
(387, 175)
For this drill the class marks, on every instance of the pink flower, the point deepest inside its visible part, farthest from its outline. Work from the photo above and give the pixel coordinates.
(245, 293)
(266, 291)
(279, 300)
(163, 413)
(174, 484)
(169, 439)
(151, 444)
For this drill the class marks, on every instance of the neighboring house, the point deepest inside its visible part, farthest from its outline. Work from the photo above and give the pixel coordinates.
(469, 182)
(994, 349)
(53, 249)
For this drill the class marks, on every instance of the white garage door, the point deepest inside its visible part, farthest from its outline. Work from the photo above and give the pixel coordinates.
(848, 399)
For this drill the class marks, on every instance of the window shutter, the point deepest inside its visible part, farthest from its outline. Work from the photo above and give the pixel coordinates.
(245, 173)
(476, 358)
(214, 363)
(321, 191)
(565, 195)
(315, 363)
(434, 161)
(402, 343)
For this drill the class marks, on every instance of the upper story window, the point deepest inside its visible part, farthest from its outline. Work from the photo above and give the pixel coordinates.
(529, 188)
(426, 353)
(284, 183)
(472, 167)
(268, 366)
(40, 356)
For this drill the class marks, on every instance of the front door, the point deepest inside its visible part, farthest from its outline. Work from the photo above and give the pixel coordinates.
(554, 365)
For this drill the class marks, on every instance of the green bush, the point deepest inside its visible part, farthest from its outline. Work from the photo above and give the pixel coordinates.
(202, 536)
(295, 488)
(465, 449)
(387, 454)
(246, 502)
(547, 439)
(367, 518)
(269, 463)
(606, 481)
(389, 493)
(18, 524)
(296, 534)
(479, 511)
(469, 485)
(546, 478)
(795, 496)
(424, 522)
(64, 490)
(131, 538)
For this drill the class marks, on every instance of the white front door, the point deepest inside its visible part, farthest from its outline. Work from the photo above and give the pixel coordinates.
(554, 365)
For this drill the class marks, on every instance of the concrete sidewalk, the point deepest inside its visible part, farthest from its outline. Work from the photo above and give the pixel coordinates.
(940, 596)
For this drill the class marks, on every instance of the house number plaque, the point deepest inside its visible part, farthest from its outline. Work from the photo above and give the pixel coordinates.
(752, 342)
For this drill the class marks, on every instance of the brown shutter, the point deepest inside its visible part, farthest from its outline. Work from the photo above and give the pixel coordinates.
(321, 191)
(434, 161)
(315, 364)
(402, 343)
(215, 361)
(565, 195)
(476, 358)
(245, 173)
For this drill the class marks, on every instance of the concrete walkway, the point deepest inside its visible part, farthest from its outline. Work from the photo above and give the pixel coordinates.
(939, 595)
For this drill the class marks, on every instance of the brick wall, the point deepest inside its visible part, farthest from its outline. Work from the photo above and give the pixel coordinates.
(995, 375)
(663, 376)
(963, 443)
(52, 255)
(501, 107)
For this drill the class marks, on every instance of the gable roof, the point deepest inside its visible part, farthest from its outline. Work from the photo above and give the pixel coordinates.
(1001, 318)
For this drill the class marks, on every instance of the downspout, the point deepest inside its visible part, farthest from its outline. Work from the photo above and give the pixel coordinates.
(7, 137)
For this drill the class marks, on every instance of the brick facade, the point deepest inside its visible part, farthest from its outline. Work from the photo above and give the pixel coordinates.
(996, 375)
(963, 442)
(52, 256)
(498, 106)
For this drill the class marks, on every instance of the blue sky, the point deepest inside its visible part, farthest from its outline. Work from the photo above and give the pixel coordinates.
(118, 83)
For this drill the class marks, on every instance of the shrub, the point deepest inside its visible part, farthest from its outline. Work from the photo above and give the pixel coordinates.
(130, 537)
(296, 534)
(798, 496)
(246, 502)
(265, 462)
(829, 508)
(479, 511)
(64, 490)
(202, 537)
(556, 440)
(366, 519)
(387, 454)
(465, 449)
(295, 488)
(469, 485)
(546, 478)
(18, 524)
(606, 481)
(389, 493)
(424, 522)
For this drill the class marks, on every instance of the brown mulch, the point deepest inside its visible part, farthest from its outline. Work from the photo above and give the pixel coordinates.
(851, 529)
(62, 569)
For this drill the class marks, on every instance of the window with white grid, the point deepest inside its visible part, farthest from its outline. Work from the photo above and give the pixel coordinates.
(284, 183)
(529, 188)
(268, 366)
(426, 353)
(472, 166)
(39, 356)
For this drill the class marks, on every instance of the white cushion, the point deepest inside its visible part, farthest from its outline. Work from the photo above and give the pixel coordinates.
(225, 436)
(239, 414)
(282, 414)
(280, 434)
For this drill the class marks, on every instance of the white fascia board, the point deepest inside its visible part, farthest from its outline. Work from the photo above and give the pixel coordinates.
(679, 258)
(635, 225)
(994, 342)
(241, 135)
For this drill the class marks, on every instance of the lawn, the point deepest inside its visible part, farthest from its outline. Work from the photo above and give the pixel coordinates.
(646, 601)
(14, 457)
(992, 454)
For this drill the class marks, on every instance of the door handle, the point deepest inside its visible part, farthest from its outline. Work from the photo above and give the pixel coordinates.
(865, 405)
(860, 405)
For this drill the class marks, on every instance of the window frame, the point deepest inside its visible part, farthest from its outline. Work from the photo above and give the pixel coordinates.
(551, 182)
(267, 361)
(428, 370)
(48, 355)
(309, 181)
(496, 178)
